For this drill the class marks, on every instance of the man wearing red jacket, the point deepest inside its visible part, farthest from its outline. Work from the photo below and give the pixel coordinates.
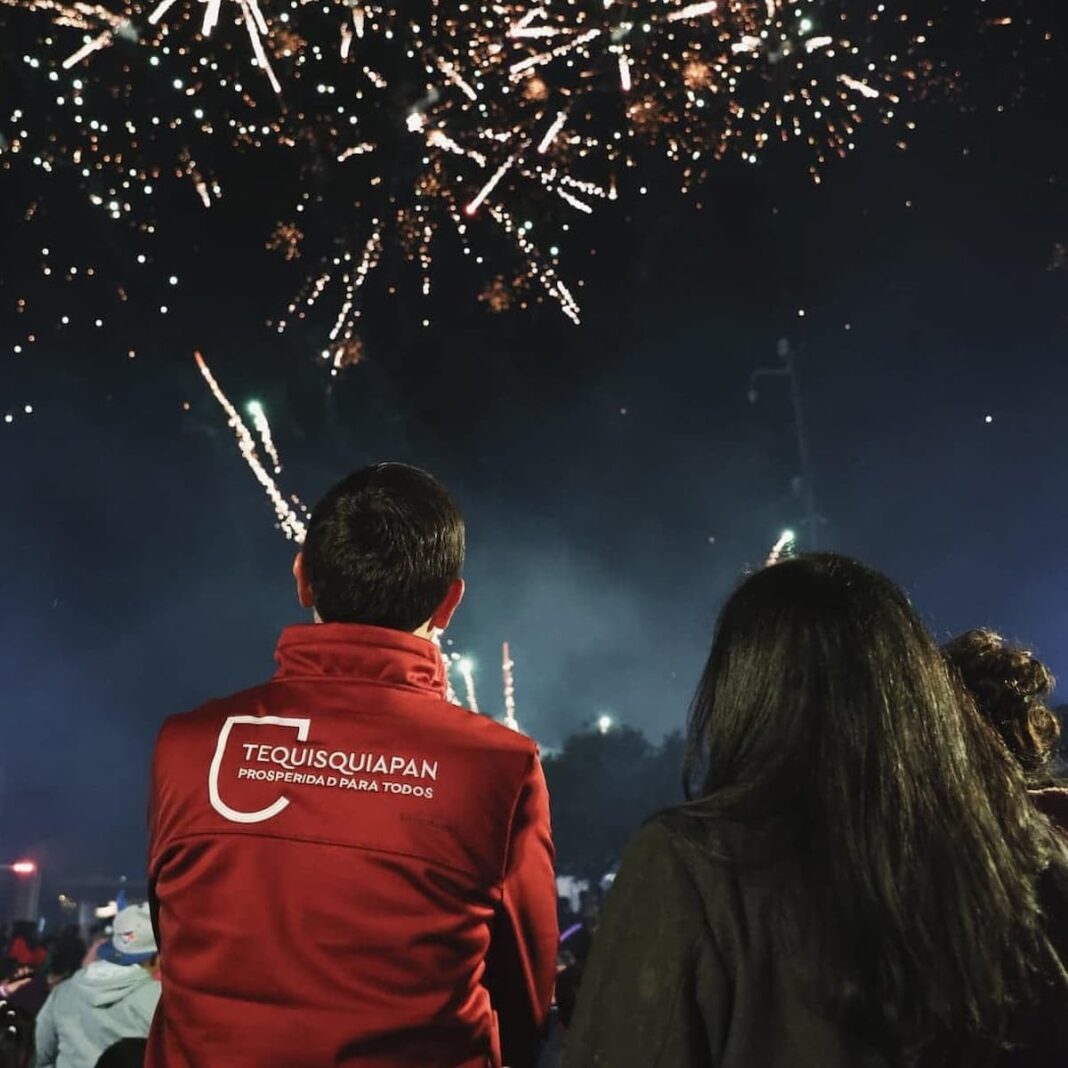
(345, 869)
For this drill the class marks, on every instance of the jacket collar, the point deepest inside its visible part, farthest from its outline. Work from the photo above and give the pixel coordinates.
(351, 650)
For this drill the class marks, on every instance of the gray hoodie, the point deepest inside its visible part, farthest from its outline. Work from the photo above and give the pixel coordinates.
(92, 1011)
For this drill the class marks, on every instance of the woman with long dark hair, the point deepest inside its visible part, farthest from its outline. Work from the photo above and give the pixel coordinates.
(861, 880)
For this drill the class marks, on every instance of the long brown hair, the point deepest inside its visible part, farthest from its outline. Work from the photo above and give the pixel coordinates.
(827, 720)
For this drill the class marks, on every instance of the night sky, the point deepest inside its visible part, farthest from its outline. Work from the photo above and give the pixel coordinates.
(615, 478)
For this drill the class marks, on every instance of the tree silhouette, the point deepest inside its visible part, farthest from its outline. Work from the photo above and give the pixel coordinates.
(602, 788)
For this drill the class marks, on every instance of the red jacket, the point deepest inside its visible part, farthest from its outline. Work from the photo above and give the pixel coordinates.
(347, 870)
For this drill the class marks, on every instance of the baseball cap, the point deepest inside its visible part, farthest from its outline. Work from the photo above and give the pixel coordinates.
(132, 940)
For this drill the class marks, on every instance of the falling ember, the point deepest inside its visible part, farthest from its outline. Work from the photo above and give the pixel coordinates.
(534, 88)
(289, 518)
(286, 239)
(497, 295)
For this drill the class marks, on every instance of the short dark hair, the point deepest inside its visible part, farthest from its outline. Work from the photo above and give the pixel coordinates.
(383, 547)
(1011, 688)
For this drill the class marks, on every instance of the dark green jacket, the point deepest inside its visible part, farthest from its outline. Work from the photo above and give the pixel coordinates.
(686, 971)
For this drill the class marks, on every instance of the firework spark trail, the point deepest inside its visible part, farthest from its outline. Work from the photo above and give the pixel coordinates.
(82, 16)
(78, 16)
(693, 11)
(450, 693)
(450, 72)
(263, 428)
(257, 30)
(467, 673)
(289, 519)
(492, 184)
(160, 11)
(98, 43)
(355, 150)
(437, 139)
(783, 547)
(545, 275)
(507, 665)
(344, 325)
(551, 132)
(517, 69)
(858, 86)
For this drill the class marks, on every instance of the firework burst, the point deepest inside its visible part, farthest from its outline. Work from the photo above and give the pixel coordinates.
(699, 81)
(399, 128)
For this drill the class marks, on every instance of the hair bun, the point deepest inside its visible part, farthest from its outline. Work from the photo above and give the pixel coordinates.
(1010, 687)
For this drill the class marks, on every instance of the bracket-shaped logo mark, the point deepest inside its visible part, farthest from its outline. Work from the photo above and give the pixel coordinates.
(301, 726)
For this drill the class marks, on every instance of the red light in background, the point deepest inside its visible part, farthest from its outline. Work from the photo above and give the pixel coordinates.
(24, 867)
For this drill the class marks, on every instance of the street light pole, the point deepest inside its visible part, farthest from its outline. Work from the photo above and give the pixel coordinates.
(28, 874)
(788, 369)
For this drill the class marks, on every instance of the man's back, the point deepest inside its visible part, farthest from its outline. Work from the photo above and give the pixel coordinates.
(348, 870)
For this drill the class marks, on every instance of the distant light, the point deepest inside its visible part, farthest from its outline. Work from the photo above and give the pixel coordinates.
(254, 407)
(988, 419)
(24, 867)
(604, 724)
(806, 25)
(465, 666)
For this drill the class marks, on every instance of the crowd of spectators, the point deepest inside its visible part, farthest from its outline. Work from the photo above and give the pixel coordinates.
(66, 1003)
(870, 869)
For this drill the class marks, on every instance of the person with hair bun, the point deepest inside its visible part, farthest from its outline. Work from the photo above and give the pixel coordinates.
(1011, 688)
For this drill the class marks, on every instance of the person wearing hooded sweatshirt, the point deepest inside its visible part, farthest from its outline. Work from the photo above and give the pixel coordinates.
(112, 998)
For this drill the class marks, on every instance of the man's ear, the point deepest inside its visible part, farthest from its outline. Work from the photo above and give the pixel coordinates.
(442, 616)
(304, 590)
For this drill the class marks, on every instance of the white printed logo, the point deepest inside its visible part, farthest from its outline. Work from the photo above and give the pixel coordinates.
(301, 726)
